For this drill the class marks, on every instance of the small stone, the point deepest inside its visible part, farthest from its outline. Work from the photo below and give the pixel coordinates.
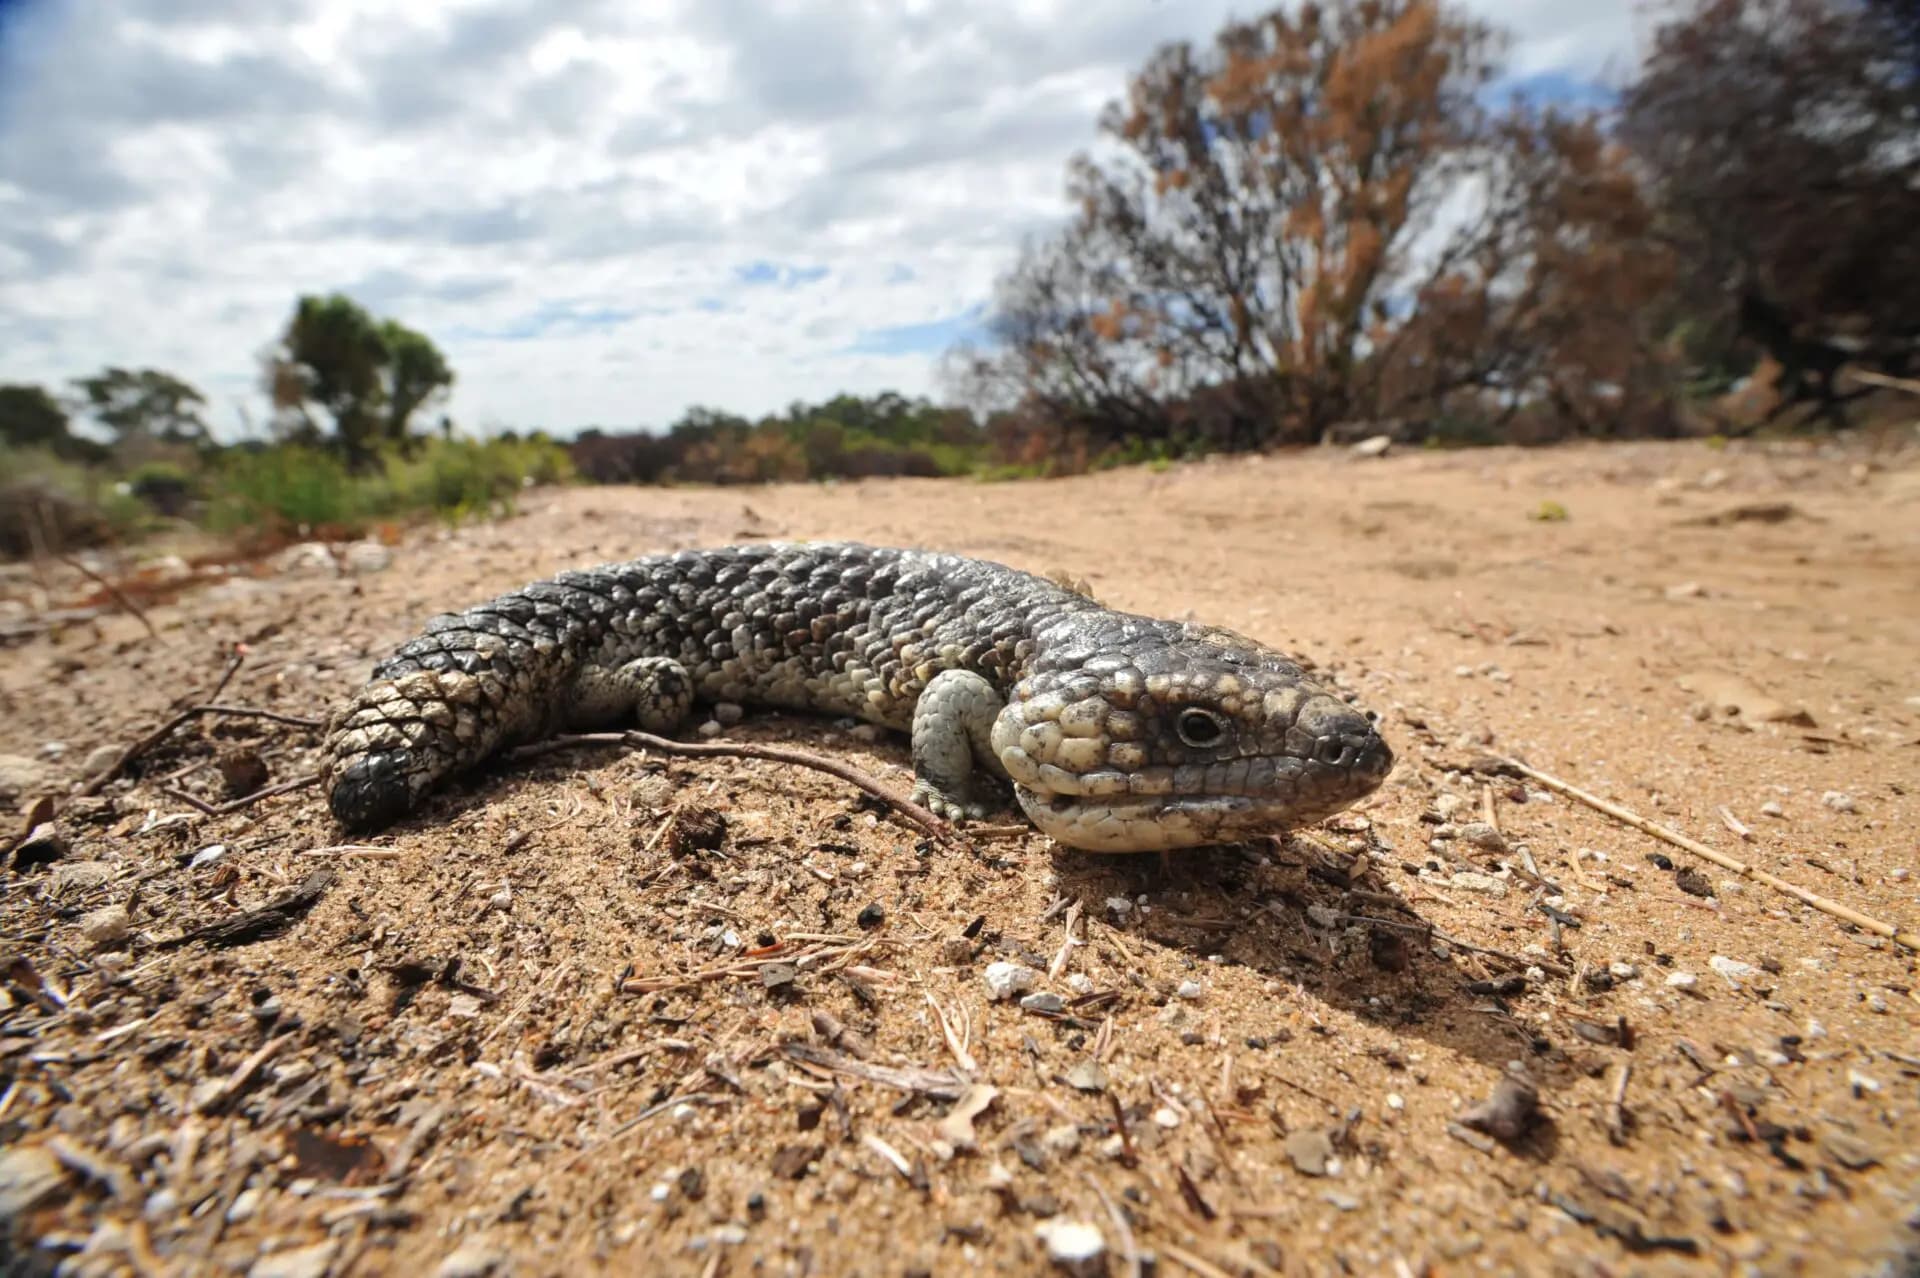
(1686, 590)
(1087, 1076)
(1682, 980)
(242, 771)
(28, 1177)
(1900, 874)
(872, 916)
(956, 950)
(1061, 1139)
(869, 733)
(1509, 1113)
(1445, 806)
(1849, 1151)
(1861, 1082)
(1005, 980)
(1475, 881)
(1191, 990)
(728, 713)
(1622, 971)
(99, 759)
(1079, 982)
(1733, 969)
(364, 557)
(1838, 801)
(1372, 446)
(1772, 808)
(106, 926)
(21, 776)
(475, 1261)
(44, 843)
(311, 1261)
(1395, 1101)
(709, 729)
(1071, 1243)
(1119, 906)
(1044, 1003)
(1483, 835)
(1167, 1116)
(1310, 1149)
(779, 978)
(792, 1162)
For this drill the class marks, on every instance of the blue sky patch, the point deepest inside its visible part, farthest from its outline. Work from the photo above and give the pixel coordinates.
(553, 319)
(778, 274)
(930, 338)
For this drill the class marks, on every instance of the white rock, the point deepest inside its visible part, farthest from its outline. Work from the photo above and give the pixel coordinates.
(1772, 808)
(106, 926)
(1861, 1082)
(474, 1261)
(1682, 981)
(100, 758)
(1838, 800)
(1622, 971)
(1167, 1116)
(1005, 980)
(1191, 990)
(368, 556)
(1063, 1138)
(1071, 1242)
(1733, 969)
(212, 854)
(1372, 446)
(1079, 982)
(1119, 906)
(299, 1262)
(1474, 881)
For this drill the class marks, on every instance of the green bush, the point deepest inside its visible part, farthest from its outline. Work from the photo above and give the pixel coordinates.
(285, 487)
(51, 502)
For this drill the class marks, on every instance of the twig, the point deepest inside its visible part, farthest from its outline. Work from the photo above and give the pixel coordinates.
(255, 712)
(245, 801)
(1881, 379)
(160, 733)
(269, 920)
(1909, 940)
(243, 1073)
(114, 592)
(1129, 1248)
(691, 1098)
(939, 1084)
(926, 820)
(1617, 1105)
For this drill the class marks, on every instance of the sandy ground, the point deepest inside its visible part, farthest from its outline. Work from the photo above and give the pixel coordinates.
(565, 1022)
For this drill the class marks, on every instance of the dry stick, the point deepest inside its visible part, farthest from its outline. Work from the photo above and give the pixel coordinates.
(907, 808)
(245, 801)
(114, 592)
(160, 733)
(1910, 940)
(1617, 1105)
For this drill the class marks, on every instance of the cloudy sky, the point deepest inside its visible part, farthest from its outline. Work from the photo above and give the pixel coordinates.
(603, 210)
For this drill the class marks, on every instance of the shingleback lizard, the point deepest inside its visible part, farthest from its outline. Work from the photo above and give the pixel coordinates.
(1118, 733)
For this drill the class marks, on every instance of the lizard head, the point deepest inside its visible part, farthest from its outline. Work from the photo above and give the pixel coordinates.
(1161, 735)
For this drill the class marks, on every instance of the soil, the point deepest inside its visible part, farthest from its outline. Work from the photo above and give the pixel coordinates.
(600, 1011)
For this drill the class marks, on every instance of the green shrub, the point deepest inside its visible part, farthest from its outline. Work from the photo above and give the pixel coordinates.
(284, 488)
(51, 502)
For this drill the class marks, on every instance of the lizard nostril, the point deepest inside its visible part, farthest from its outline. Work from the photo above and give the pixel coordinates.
(1333, 752)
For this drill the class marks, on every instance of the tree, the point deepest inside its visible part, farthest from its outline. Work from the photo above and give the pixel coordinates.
(1783, 142)
(31, 418)
(1265, 209)
(145, 405)
(368, 376)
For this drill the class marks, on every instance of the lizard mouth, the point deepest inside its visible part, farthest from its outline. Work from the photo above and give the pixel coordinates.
(1160, 823)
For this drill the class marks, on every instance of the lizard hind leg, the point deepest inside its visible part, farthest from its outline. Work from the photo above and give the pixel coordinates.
(656, 692)
(954, 765)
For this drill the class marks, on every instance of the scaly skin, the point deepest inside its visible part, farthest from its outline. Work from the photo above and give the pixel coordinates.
(1118, 733)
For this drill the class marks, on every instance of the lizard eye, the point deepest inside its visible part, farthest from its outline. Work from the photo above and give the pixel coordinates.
(1200, 729)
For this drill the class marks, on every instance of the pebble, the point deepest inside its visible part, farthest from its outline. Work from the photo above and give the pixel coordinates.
(1119, 906)
(1080, 982)
(1733, 969)
(709, 729)
(1682, 981)
(1395, 1101)
(1323, 916)
(1061, 1139)
(299, 1262)
(1167, 1116)
(728, 713)
(1475, 881)
(44, 843)
(106, 926)
(1900, 874)
(28, 1176)
(1861, 1082)
(1087, 1076)
(99, 759)
(1071, 1242)
(473, 1261)
(1772, 808)
(868, 733)
(1004, 980)
(1191, 990)
(212, 854)
(1045, 1003)
(367, 557)
(1483, 835)
(1838, 800)
(20, 776)
(1622, 971)
(1310, 1150)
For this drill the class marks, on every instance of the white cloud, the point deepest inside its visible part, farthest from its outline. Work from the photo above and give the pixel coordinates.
(568, 196)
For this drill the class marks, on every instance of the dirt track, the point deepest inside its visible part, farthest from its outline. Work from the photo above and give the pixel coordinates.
(437, 1059)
